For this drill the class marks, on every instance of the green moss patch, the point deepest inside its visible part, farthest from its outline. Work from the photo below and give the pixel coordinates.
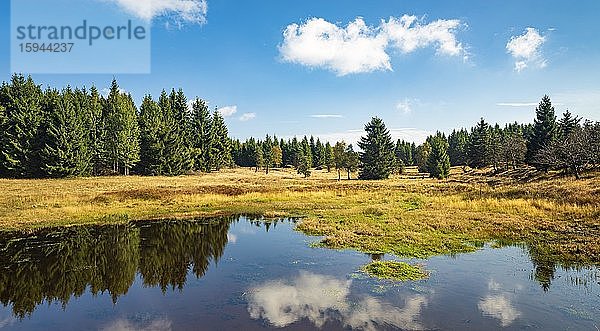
(393, 270)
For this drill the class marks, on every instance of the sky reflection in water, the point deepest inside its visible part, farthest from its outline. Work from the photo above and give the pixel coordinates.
(234, 274)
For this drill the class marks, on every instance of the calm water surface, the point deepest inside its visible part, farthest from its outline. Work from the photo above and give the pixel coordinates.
(244, 275)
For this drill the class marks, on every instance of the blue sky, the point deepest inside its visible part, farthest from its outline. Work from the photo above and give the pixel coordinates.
(452, 65)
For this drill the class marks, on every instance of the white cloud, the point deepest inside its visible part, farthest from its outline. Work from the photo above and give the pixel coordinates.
(406, 106)
(517, 104)
(499, 307)
(227, 111)
(326, 116)
(407, 34)
(183, 11)
(321, 299)
(247, 116)
(358, 48)
(525, 49)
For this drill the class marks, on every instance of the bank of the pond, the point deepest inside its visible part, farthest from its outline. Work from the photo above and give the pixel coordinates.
(557, 218)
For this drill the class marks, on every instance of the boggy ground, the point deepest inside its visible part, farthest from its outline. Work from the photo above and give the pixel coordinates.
(557, 218)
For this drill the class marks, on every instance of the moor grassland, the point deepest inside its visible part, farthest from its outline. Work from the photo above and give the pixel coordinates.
(556, 218)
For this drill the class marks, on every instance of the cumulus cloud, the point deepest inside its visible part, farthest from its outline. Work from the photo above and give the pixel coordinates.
(525, 49)
(247, 116)
(407, 34)
(326, 116)
(183, 11)
(321, 299)
(359, 48)
(227, 111)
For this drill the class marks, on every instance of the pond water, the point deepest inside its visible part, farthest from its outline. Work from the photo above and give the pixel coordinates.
(239, 274)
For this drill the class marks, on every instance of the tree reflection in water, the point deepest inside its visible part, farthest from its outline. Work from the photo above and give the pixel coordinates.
(55, 265)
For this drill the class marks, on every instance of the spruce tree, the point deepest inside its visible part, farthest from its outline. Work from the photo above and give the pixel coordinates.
(64, 147)
(329, 160)
(151, 138)
(339, 157)
(567, 124)
(220, 144)
(458, 147)
(19, 136)
(182, 122)
(277, 155)
(377, 156)
(307, 151)
(438, 162)
(421, 156)
(544, 130)
(201, 135)
(129, 137)
(267, 152)
(351, 160)
(91, 117)
(174, 157)
(478, 148)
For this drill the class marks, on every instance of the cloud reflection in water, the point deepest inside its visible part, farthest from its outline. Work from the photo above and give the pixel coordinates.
(322, 299)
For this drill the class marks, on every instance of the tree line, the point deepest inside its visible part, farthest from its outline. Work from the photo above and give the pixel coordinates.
(570, 144)
(78, 132)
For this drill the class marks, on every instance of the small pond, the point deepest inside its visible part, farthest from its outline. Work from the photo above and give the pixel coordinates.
(239, 274)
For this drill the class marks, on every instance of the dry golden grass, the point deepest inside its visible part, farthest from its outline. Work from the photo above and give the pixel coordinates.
(405, 215)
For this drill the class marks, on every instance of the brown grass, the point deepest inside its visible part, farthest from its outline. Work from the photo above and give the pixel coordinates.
(405, 215)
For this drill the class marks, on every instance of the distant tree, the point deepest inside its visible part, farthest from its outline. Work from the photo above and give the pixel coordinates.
(544, 131)
(421, 155)
(329, 157)
(304, 167)
(567, 124)
(458, 142)
(295, 153)
(377, 156)
(494, 147)
(339, 157)
(277, 155)
(319, 154)
(478, 149)
(258, 157)
(403, 155)
(570, 154)
(351, 160)
(267, 147)
(306, 150)
(513, 148)
(593, 148)
(438, 161)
